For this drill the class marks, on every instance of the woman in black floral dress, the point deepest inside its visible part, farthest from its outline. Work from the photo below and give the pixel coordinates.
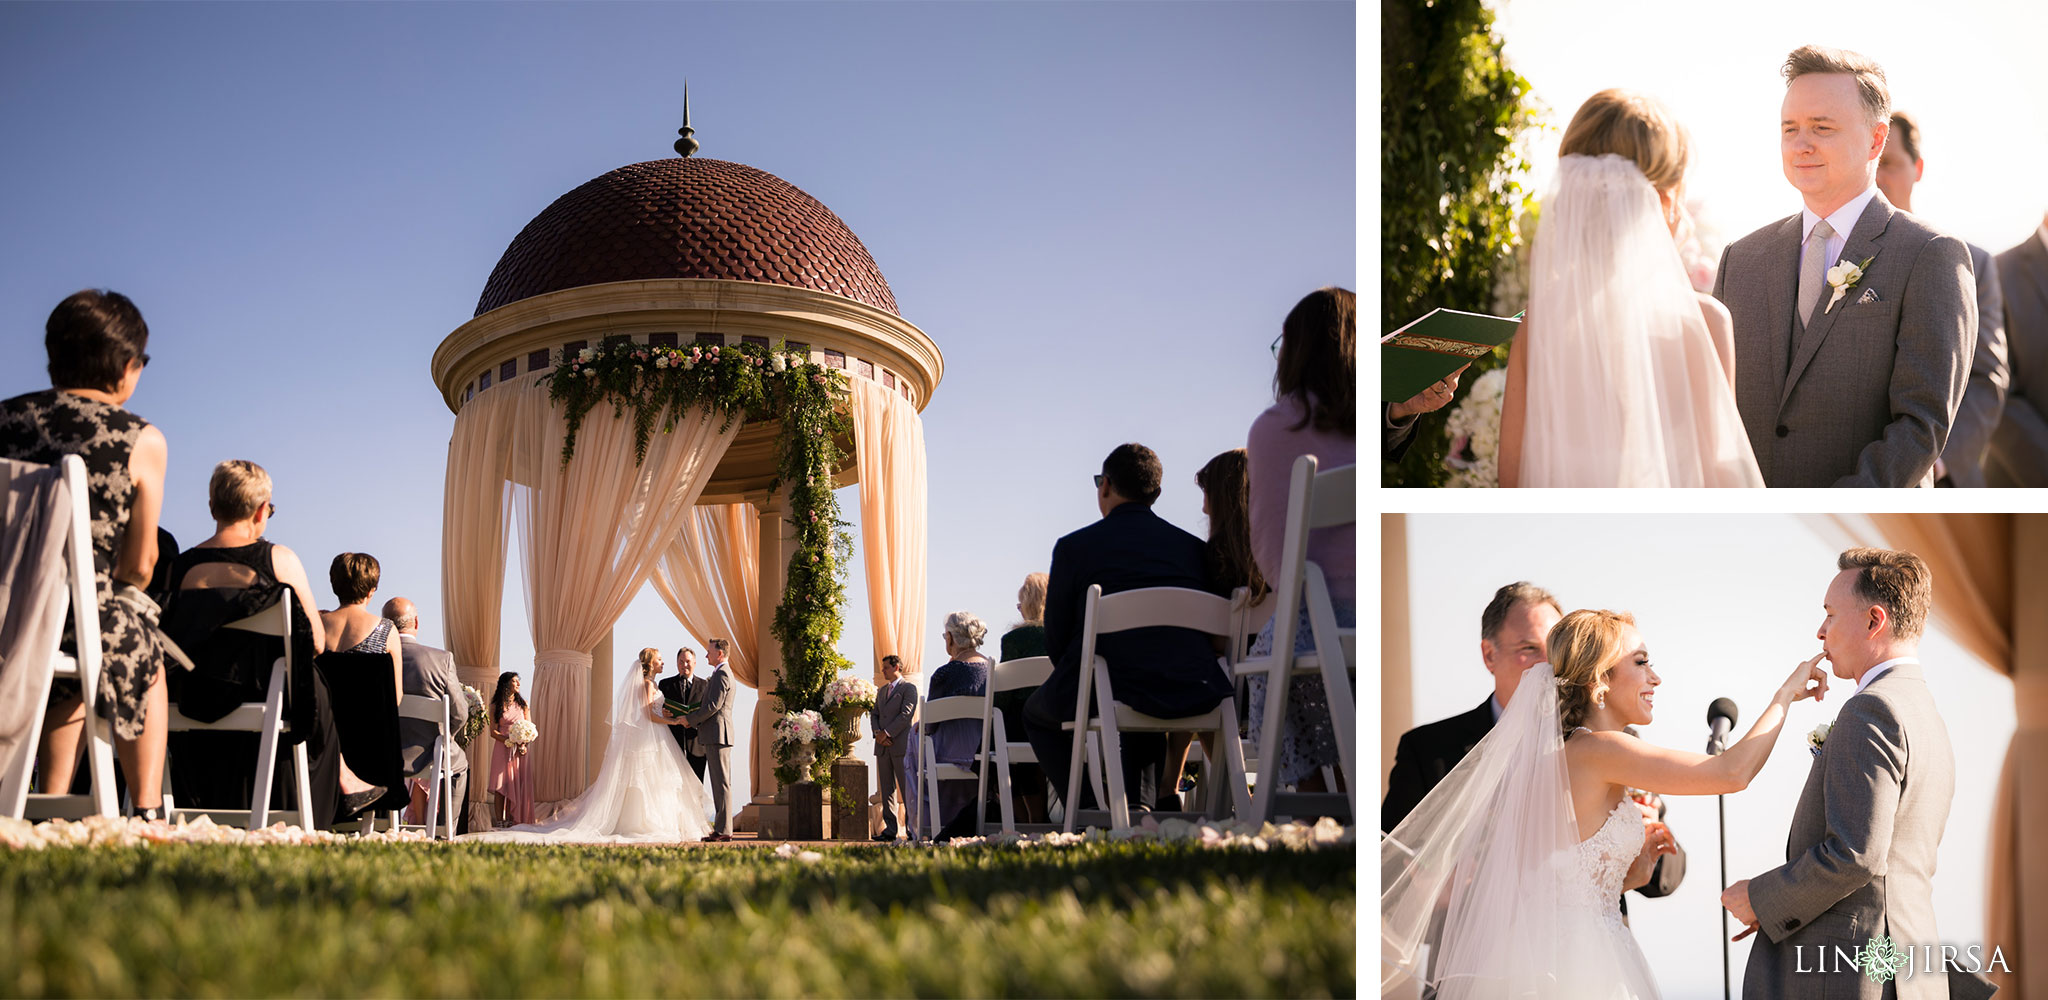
(96, 342)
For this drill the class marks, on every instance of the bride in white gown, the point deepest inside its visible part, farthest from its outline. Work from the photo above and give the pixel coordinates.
(1622, 375)
(1505, 881)
(645, 791)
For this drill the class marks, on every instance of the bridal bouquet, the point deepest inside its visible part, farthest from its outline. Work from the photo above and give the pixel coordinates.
(474, 722)
(850, 694)
(520, 734)
(1474, 428)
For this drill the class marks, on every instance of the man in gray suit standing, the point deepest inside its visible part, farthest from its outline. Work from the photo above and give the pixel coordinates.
(895, 708)
(1860, 857)
(713, 722)
(2019, 448)
(1969, 438)
(1854, 323)
(430, 673)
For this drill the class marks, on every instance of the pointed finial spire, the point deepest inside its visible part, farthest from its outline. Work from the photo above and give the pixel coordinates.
(686, 145)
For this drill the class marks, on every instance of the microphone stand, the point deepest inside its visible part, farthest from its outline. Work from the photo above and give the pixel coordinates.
(1714, 749)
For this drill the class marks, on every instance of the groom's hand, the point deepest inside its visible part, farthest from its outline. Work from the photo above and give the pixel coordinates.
(1735, 899)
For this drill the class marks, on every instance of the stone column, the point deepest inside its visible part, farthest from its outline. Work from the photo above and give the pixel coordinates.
(601, 690)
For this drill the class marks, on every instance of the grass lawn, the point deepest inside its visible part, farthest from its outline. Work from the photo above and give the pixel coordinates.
(1101, 919)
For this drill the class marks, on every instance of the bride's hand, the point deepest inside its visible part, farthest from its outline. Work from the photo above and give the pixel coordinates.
(1808, 680)
(1657, 842)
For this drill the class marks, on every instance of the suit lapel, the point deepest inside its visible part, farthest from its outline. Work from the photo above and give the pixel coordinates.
(1862, 245)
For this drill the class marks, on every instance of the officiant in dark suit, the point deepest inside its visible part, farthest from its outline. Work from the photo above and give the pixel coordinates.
(686, 688)
(1512, 633)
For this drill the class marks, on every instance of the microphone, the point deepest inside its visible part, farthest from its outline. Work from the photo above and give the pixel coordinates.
(1720, 718)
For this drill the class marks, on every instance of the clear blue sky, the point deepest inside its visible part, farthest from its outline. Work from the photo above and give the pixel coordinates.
(1099, 212)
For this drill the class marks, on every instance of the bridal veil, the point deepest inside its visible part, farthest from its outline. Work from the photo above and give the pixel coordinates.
(1473, 893)
(1624, 386)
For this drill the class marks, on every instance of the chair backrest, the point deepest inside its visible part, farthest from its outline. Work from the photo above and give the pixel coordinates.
(953, 709)
(1151, 607)
(1335, 499)
(424, 708)
(1024, 672)
(275, 620)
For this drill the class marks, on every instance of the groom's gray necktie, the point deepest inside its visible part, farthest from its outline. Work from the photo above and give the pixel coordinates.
(1813, 270)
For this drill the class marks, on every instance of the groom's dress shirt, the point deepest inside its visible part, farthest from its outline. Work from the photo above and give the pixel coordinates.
(1842, 221)
(1878, 671)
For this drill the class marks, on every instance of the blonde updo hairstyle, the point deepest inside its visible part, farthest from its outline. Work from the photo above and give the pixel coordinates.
(1636, 127)
(966, 629)
(1583, 647)
(647, 658)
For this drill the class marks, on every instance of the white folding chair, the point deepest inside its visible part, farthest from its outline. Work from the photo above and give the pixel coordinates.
(1147, 608)
(84, 667)
(434, 767)
(267, 719)
(998, 751)
(1314, 500)
(930, 770)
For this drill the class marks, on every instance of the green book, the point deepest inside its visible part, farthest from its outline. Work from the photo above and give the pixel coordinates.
(677, 709)
(1435, 346)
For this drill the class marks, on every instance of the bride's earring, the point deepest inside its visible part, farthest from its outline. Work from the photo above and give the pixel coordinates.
(1600, 702)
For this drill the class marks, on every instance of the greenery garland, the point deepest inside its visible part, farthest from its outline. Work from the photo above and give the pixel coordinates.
(661, 385)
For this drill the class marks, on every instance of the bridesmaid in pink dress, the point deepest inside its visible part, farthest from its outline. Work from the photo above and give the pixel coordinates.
(511, 771)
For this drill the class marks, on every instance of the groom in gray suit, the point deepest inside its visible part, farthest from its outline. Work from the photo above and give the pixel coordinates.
(1860, 858)
(713, 722)
(1854, 323)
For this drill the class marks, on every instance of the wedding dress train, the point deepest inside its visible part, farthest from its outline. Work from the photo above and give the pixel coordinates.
(1487, 890)
(645, 791)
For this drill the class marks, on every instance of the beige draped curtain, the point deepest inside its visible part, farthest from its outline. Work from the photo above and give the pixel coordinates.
(1997, 612)
(890, 459)
(710, 578)
(475, 502)
(590, 533)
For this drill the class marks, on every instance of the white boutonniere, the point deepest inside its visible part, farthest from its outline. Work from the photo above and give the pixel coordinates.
(1819, 737)
(1842, 277)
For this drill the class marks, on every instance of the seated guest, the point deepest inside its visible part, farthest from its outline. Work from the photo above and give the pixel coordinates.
(351, 628)
(96, 343)
(1312, 415)
(233, 574)
(1165, 672)
(1229, 560)
(511, 775)
(1025, 639)
(429, 673)
(957, 742)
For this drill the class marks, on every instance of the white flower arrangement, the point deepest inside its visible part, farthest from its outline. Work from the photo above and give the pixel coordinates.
(521, 733)
(1474, 428)
(850, 692)
(802, 727)
(1818, 739)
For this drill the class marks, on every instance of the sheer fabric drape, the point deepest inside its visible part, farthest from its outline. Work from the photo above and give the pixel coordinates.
(889, 442)
(589, 535)
(710, 578)
(1989, 598)
(475, 502)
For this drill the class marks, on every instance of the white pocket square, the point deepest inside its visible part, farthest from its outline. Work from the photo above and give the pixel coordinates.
(1869, 295)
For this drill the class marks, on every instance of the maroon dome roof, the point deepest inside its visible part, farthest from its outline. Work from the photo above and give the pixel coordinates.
(686, 218)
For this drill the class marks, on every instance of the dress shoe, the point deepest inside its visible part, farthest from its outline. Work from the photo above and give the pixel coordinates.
(352, 806)
(884, 838)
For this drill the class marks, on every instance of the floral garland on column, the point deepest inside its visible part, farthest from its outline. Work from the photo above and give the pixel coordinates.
(660, 385)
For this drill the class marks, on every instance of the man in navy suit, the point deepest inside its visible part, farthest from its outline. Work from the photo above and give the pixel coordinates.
(1164, 672)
